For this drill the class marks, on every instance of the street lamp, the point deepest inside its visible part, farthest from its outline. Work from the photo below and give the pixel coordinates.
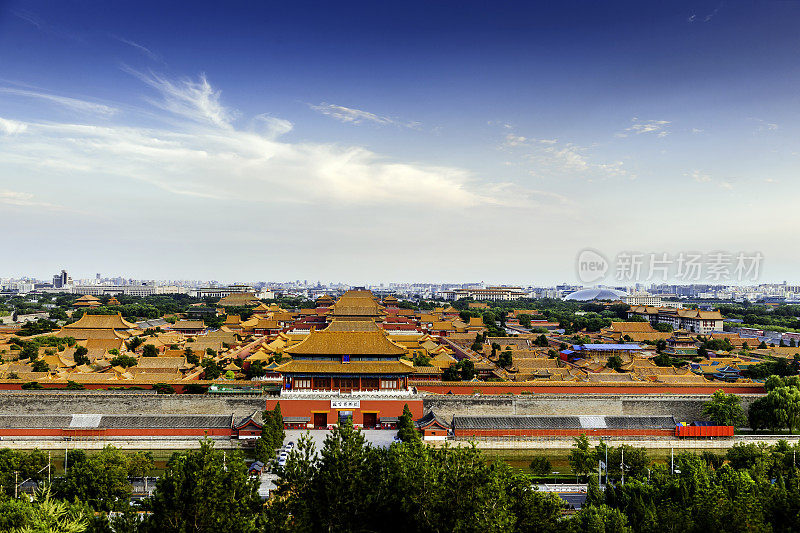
(554, 477)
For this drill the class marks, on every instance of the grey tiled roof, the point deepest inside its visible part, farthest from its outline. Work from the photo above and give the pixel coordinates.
(640, 422)
(113, 421)
(166, 421)
(563, 422)
(34, 421)
(431, 416)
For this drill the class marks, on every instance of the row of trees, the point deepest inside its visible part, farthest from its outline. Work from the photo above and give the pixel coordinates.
(751, 488)
(351, 486)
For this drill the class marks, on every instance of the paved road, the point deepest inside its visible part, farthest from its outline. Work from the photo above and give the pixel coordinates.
(573, 499)
(376, 437)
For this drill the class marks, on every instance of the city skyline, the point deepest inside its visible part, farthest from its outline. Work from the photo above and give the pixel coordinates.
(372, 144)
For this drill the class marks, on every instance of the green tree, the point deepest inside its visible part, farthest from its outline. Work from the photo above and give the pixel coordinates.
(100, 480)
(30, 351)
(43, 514)
(467, 370)
(451, 373)
(598, 519)
(540, 466)
(505, 360)
(614, 363)
(594, 496)
(272, 432)
(81, 356)
(277, 423)
(191, 357)
(262, 451)
(724, 410)
(140, 464)
(406, 431)
(580, 458)
(134, 343)
(211, 368)
(124, 361)
(204, 491)
(255, 369)
(164, 388)
(149, 350)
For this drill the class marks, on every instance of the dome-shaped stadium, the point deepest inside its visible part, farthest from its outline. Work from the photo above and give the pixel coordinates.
(586, 295)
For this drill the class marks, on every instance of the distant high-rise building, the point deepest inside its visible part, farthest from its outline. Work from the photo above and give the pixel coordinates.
(61, 280)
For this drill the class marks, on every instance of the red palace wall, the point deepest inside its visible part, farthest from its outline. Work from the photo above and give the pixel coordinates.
(562, 432)
(117, 432)
(579, 388)
(384, 408)
(704, 431)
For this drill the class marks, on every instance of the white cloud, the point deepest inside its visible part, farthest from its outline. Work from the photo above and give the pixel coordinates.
(513, 140)
(764, 126)
(146, 51)
(698, 176)
(639, 127)
(74, 104)
(549, 156)
(272, 127)
(707, 18)
(11, 127)
(703, 177)
(217, 160)
(195, 100)
(22, 199)
(349, 115)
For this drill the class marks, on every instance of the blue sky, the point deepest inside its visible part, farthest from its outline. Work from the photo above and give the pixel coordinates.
(369, 142)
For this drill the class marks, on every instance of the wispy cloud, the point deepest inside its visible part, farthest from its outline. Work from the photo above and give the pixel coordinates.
(146, 51)
(11, 127)
(763, 125)
(73, 104)
(44, 26)
(660, 128)
(222, 161)
(706, 18)
(23, 199)
(349, 115)
(195, 100)
(698, 176)
(703, 177)
(549, 156)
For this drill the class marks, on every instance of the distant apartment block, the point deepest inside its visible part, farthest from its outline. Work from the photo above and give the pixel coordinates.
(640, 298)
(694, 320)
(222, 292)
(489, 293)
(128, 290)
